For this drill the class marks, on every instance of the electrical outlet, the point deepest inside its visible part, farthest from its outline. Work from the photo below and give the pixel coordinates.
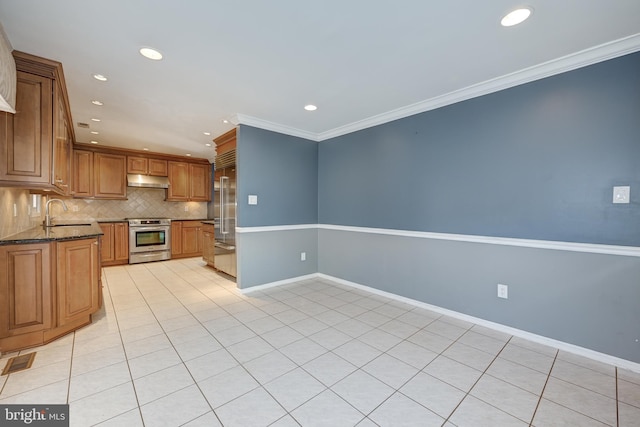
(74, 208)
(503, 291)
(15, 210)
(621, 194)
(303, 256)
(186, 208)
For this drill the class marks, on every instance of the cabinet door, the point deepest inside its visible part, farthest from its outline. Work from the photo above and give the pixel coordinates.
(121, 241)
(158, 167)
(107, 251)
(200, 182)
(191, 238)
(61, 146)
(137, 165)
(208, 244)
(110, 178)
(77, 279)
(178, 181)
(176, 238)
(26, 137)
(25, 289)
(82, 173)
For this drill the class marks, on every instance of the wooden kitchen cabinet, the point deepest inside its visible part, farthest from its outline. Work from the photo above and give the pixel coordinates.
(35, 143)
(199, 182)
(189, 182)
(121, 242)
(110, 177)
(208, 244)
(115, 243)
(99, 175)
(178, 190)
(78, 276)
(25, 295)
(147, 166)
(186, 239)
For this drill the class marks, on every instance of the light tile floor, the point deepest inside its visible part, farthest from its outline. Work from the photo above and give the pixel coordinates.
(177, 344)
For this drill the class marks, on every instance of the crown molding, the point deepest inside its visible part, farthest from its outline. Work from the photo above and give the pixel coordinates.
(550, 68)
(275, 127)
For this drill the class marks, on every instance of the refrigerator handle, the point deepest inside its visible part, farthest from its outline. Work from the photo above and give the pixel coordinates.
(223, 204)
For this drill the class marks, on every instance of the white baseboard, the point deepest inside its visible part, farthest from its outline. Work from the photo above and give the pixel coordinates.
(561, 345)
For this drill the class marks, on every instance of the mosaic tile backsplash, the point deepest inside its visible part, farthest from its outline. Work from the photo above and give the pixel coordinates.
(141, 202)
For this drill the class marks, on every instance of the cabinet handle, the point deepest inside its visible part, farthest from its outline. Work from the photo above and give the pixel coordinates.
(95, 243)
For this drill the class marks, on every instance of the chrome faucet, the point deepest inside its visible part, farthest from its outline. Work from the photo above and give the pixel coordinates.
(47, 218)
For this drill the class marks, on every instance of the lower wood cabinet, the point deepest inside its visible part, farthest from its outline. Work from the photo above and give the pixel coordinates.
(186, 239)
(47, 290)
(25, 295)
(115, 243)
(78, 275)
(208, 244)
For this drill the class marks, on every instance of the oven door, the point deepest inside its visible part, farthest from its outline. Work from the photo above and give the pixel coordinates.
(149, 239)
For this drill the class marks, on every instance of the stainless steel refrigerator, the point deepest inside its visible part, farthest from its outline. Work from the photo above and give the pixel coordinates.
(224, 214)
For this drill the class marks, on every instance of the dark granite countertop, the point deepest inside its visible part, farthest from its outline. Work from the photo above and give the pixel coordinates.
(208, 221)
(69, 231)
(111, 220)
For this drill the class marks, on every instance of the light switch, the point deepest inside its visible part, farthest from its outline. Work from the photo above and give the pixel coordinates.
(253, 199)
(621, 194)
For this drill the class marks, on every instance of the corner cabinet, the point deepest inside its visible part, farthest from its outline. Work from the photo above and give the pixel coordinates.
(47, 290)
(35, 143)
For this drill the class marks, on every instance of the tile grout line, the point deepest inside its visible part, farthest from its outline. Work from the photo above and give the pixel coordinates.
(543, 388)
(476, 382)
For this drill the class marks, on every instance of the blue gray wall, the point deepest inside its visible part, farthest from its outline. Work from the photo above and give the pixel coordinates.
(538, 161)
(282, 171)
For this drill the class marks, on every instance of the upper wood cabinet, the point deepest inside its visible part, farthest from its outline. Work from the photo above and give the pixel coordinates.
(189, 182)
(147, 166)
(110, 177)
(35, 143)
(99, 175)
(226, 142)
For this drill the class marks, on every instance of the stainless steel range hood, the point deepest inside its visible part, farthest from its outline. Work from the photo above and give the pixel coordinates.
(147, 181)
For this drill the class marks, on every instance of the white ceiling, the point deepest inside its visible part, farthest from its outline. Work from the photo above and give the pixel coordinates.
(362, 62)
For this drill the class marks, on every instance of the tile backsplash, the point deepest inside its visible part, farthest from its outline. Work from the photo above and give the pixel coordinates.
(16, 212)
(141, 202)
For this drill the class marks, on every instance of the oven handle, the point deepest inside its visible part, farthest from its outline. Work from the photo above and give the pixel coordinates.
(154, 228)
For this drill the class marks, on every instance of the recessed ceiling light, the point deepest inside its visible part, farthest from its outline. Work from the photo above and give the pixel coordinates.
(94, 132)
(94, 142)
(95, 120)
(100, 77)
(150, 53)
(225, 121)
(207, 133)
(96, 102)
(208, 145)
(310, 107)
(515, 17)
(188, 155)
(145, 149)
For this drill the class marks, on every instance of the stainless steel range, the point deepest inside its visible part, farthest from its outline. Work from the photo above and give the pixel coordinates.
(149, 239)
